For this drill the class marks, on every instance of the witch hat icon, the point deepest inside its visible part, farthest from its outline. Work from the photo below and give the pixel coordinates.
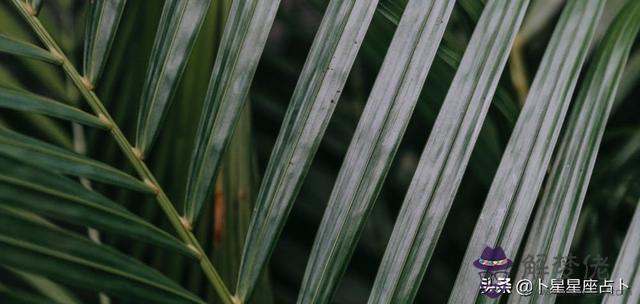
(492, 259)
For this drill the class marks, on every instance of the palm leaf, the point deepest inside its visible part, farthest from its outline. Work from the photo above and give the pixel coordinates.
(23, 101)
(19, 296)
(74, 260)
(557, 217)
(44, 155)
(243, 40)
(312, 104)
(179, 26)
(27, 50)
(375, 141)
(53, 291)
(51, 195)
(102, 25)
(519, 177)
(446, 154)
(626, 268)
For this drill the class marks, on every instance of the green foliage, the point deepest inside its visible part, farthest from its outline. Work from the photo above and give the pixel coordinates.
(225, 89)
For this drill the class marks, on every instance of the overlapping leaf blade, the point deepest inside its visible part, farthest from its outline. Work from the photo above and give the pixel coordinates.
(54, 253)
(376, 139)
(318, 90)
(51, 195)
(19, 48)
(627, 266)
(53, 291)
(178, 29)
(447, 153)
(452, 56)
(24, 101)
(519, 177)
(243, 40)
(44, 155)
(102, 25)
(557, 217)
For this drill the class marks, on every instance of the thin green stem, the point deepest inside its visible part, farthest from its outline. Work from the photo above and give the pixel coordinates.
(136, 161)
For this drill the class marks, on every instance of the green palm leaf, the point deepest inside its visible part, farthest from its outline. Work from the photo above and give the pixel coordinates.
(51, 195)
(74, 260)
(519, 177)
(44, 155)
(375, 141)
(102, 25)
(317, 92)
(626, 267)
(557, 217)
(179, 26)
(23, 101)
(243, 40)
(446, 154)
(53, 291)
(27, 50)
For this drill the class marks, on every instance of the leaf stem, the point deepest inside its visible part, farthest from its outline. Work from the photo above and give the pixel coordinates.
(86, 89)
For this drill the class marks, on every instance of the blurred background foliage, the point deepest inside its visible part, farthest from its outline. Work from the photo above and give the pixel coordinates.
(611, 199)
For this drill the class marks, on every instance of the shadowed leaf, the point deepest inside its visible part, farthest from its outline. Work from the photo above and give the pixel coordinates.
(44, 155)
(243, 40)
(178, 29)
(51, 195)
(18, 48)
(77, 261)
(27, 102)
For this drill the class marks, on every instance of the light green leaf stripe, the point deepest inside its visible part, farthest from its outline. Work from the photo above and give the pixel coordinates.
(557, 215)
(53, 291)
(177, 32)
(373, 146)
(243, 40)
(55, 196)
(451, 55)
(524, 163)
(447, 154)
(44, 155)
(27, 102)
(77, 261)
(626, 267)
(102, 25)
(323, 77)
(18, 48)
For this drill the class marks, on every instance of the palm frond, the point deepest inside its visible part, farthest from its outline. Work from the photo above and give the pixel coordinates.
(374, 144)
(27, 188)
(102, 25)
(555, 222)
(52, 252)
(243, 40)
(318, 90)
(27, 50)
(27, 102)
(626, 268)
(446, 154)
(178, 29)
(41, 154)
(519, 177)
